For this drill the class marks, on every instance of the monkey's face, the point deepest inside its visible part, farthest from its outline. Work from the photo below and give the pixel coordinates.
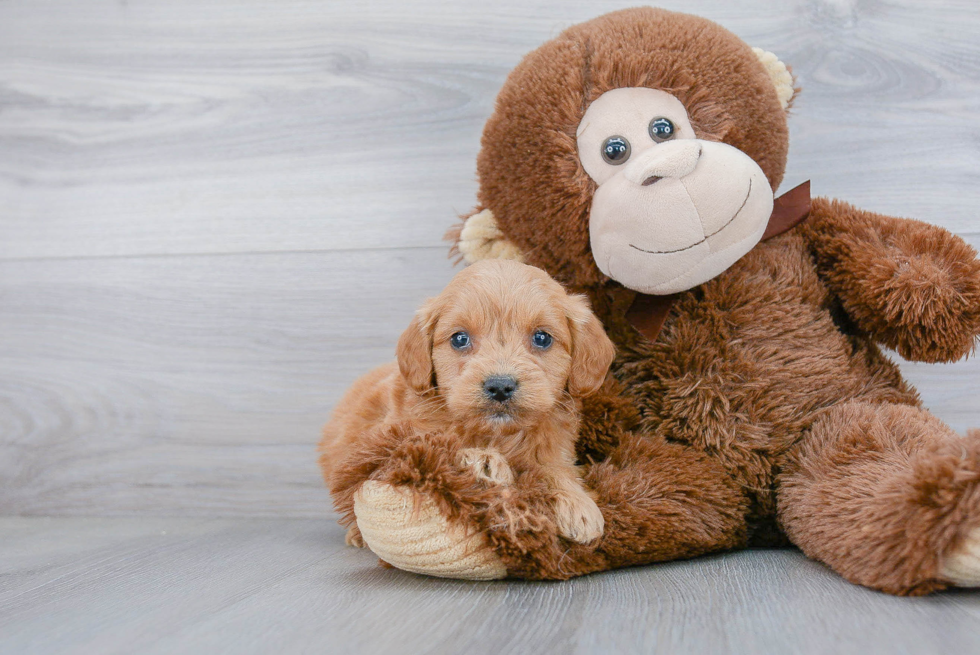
(680, 196)
(671, 211)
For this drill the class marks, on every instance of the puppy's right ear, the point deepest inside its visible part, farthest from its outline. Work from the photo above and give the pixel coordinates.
(414, 351)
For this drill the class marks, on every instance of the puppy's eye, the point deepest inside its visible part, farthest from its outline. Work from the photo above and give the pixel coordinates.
(662, 129)
(541, 339)
(460, 341)
(616, 150)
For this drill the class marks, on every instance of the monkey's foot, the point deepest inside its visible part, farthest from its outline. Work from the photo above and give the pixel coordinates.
(410, 533)
(962, 567)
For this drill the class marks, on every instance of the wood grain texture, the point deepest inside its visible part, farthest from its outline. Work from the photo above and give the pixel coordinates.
(290, 586)
(191, 385)
(215, 215)
(223, 126)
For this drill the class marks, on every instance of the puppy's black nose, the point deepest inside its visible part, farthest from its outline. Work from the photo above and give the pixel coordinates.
(500, 387)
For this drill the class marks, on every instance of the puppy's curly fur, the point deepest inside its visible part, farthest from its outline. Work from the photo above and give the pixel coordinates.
(443, 385)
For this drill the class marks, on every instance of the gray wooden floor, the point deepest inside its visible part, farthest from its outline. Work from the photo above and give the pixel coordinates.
(158, 585)
(215, 214)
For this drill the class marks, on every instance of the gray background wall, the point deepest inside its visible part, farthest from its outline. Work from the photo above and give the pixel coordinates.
(215, 215)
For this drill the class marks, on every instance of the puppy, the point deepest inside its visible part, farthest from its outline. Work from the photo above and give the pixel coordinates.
(498, 361)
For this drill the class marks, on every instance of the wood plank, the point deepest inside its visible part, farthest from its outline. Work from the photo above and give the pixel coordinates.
(226, 126)
(290, 586)
(189, 384)
(197, 385)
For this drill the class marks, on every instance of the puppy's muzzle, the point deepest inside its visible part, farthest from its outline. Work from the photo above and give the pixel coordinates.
(500, 387)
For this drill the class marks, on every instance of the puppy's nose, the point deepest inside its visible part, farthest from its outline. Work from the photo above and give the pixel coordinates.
(500, 387)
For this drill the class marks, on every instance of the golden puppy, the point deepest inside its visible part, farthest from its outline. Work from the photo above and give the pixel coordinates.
(499, 360)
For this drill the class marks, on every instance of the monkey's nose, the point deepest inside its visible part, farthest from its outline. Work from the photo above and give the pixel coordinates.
(500, 387)
(670, 159)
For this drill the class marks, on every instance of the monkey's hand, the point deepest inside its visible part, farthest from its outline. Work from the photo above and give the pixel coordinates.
(911, 286)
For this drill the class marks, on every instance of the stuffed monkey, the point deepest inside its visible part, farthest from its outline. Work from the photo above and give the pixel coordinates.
(635, 158)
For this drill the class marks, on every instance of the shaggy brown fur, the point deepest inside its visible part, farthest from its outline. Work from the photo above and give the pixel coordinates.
(438, 388)
(527, 172)
(765, 409)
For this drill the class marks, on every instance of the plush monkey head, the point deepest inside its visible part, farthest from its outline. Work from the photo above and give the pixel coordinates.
(642, 146)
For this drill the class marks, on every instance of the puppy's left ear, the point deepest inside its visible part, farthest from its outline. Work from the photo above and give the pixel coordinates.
(414, 351)
(592, 351)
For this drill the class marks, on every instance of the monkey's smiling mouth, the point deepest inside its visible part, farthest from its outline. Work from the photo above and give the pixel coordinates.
(698, 243)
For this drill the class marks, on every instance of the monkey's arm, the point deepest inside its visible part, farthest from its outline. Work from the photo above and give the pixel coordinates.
(420, 511)
(912, 286)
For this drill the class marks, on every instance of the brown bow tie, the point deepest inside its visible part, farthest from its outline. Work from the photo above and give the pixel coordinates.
(648, 313)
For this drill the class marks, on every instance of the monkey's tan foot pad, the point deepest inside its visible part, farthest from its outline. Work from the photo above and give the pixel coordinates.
(962, 568)
(422, 540)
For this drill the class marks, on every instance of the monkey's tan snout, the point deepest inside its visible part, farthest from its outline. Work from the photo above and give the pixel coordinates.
(674, 159)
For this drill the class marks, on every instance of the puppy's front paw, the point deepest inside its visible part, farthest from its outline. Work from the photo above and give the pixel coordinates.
(578, 517)
(487, 464)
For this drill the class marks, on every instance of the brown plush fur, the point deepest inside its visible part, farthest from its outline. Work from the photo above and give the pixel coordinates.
(435, 388)
(881, 483)
(765, 409)
(527, 172)
(661, 501)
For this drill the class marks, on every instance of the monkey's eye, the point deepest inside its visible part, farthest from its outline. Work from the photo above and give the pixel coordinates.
(460, 341)
(662, 129)
(541, 339)
(616, 150)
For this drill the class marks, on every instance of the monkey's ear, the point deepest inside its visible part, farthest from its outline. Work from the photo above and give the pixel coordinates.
(414, 351)
(781, 76)
(592, 351)
(478, 238)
